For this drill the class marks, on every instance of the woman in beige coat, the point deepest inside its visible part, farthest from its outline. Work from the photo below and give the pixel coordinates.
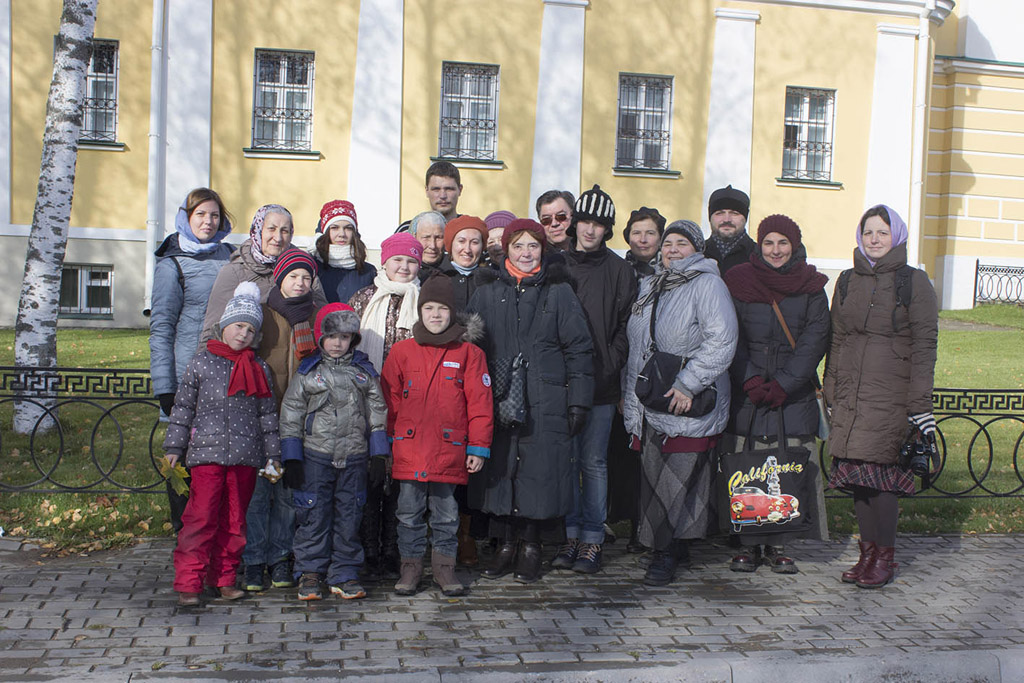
(878, 380)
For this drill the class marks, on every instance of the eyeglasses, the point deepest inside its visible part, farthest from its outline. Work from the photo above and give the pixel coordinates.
(560, 217)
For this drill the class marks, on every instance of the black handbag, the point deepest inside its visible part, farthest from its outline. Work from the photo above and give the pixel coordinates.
(765, 488)
(659, 373)
(508, 380)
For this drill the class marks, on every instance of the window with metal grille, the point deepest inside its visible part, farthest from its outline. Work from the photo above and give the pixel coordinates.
(99, 123)
(644, 137)
(282, 112)
(87, 290)
(807, 145)
(469, 112)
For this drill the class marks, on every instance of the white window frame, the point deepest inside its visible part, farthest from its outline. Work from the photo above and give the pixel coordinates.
(808, 134)
(99, 115)
(643, 137)
(282, 100)
(87, 276)
(468, 122)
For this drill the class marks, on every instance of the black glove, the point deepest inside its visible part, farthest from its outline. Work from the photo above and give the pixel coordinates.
(377, 472)
(577, 419)
(166, 403)
(294, 477)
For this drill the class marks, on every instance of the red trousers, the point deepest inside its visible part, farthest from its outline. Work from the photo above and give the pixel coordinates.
(212, 537)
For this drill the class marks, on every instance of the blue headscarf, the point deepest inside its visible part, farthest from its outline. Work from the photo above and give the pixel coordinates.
(187, 240)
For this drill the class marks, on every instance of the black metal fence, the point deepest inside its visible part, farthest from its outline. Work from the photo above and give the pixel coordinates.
(998, 284)
(98, 431)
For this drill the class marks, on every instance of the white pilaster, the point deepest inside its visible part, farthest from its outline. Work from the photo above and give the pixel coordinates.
(558, 123)
(890, 141)
(374, 162)
(5, 113)
(729, 144)
(189, 51)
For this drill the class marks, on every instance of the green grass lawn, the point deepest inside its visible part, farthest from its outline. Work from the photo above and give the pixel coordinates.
(131, 437)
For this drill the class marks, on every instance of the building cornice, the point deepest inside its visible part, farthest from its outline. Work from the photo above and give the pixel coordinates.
(935, 10)
(947, 64)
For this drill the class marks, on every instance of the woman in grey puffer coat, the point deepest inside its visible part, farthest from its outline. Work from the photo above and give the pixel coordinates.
(187, 265)
(695, 320)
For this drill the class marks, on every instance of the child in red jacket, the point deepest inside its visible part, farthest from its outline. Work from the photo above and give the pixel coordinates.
(440, 416)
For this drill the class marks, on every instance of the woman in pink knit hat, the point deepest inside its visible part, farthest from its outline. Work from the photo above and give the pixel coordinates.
(387, 310)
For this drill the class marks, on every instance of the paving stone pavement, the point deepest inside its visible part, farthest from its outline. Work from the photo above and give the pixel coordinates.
(955, 613)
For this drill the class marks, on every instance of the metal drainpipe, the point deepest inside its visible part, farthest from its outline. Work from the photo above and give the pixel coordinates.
(919, 166)
(157, 147)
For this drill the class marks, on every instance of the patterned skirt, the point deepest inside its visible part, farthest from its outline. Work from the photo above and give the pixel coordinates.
(847, 474)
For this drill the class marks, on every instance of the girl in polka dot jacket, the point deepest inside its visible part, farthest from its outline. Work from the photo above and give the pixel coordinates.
(224, 416)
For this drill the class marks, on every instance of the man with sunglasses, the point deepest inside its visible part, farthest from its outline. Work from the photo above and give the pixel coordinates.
(554, 212)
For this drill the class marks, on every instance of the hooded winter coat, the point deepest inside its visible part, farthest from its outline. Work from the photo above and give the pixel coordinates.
(440, 408)
(606, 287)
(530, 471)
(881, 364)
(463, 285)
(243, 268)
(182, 282)
(330, 406)
(218, 429)
(695, 320)
(763, 350)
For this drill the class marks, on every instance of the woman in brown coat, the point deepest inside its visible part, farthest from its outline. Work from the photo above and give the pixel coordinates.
(878, 378)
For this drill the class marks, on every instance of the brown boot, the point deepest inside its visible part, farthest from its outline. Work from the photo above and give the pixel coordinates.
(411, 573)
(880, 571)
(187, 599)
(467, 544)
(867, 550)
(231, 593)
(443, 567)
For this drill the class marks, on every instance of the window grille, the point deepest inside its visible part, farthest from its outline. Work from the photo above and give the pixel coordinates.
(644, 137)
(469, 111)
(87, 290)
(282, 112)
(99, 123)
(807, 145)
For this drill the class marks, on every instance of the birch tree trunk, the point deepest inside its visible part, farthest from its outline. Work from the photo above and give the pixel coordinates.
(35, 331)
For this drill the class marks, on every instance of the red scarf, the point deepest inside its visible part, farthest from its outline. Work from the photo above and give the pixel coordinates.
(246, 374)
(758, 283)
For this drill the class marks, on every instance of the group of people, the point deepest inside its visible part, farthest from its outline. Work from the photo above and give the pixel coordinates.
(485, 384)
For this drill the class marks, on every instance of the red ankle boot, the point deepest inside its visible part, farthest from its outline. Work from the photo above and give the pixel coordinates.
(867, 549)
(880, 571)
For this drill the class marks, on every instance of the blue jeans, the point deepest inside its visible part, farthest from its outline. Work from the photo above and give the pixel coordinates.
(590, 501)
(270, 524)
(413, 499)
(328, 511)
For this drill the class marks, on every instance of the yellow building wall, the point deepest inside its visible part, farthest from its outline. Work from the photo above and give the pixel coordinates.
(110, 186)
(975, 169)
(466, 31)
(643, 37)
(835, 50)
(326, 27)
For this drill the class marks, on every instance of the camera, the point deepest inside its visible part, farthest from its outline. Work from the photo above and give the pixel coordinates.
(917, 453)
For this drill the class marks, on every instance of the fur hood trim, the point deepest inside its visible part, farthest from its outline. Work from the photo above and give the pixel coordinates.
(474, 325)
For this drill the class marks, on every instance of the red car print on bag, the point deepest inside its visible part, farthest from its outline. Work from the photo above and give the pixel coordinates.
(751, 505)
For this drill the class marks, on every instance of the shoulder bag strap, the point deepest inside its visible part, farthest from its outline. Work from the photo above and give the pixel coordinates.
(789, 336)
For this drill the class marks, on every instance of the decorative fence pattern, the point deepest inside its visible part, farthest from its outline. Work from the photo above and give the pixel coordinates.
(1004, 284)
(104, 436)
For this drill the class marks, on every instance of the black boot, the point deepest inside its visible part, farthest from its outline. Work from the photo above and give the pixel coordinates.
(390, 558)
(501, 563)
(634, 545)
(528, 563)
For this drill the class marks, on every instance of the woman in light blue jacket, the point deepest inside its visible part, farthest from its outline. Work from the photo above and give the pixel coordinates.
(187, 265)
(696, 321)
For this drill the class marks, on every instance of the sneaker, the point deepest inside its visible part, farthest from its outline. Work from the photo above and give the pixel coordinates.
(588, 559)
(350, 590)
(566, 555)
(254, 577)
(309, 587)
(281, 575)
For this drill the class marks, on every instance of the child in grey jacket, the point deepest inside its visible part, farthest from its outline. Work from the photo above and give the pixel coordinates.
(332, 403)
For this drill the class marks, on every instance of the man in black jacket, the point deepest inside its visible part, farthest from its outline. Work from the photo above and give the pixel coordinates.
(729, 244)
(606, 287)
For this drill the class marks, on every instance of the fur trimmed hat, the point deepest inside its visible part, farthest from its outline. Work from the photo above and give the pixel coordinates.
(337, 318)
(335, 211)
(729, 197)
(290, 259)
(594, 205)
(244, 307)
